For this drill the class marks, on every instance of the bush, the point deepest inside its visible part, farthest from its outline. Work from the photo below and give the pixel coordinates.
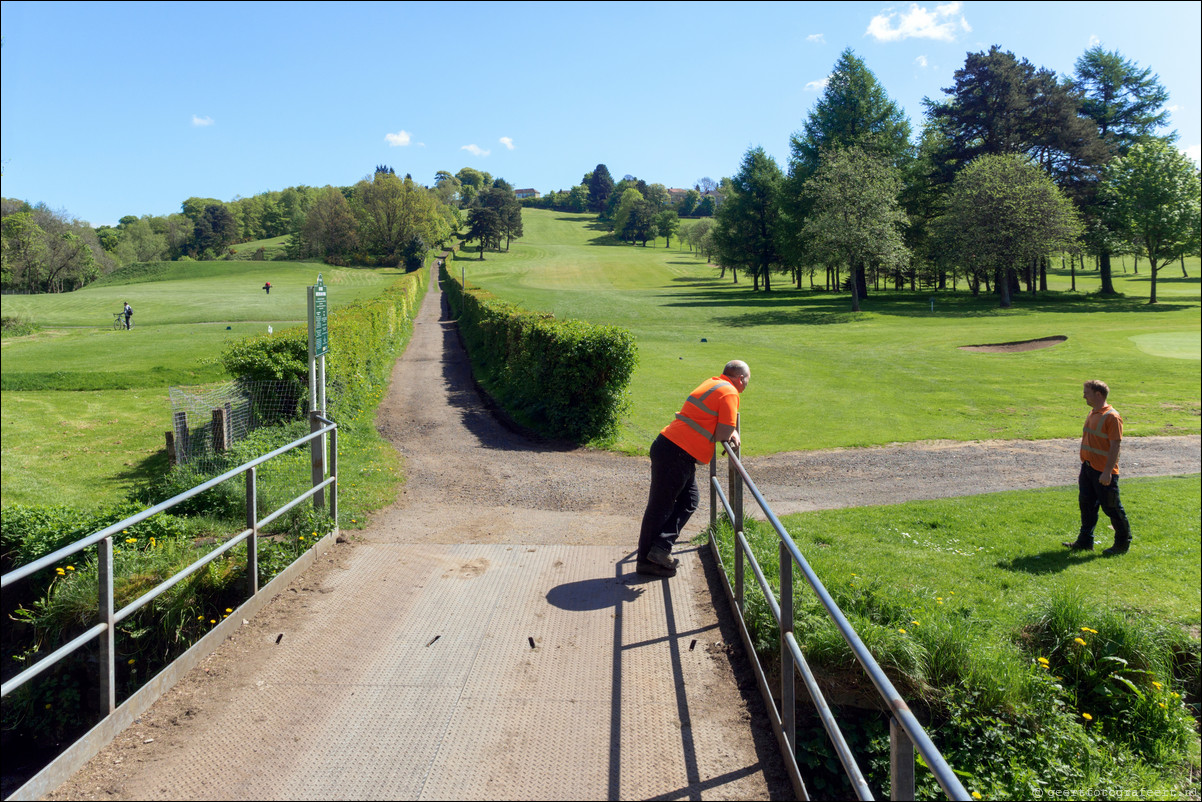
(564, 378)
(364, 338)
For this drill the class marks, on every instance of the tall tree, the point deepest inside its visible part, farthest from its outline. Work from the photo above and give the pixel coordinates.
(329, 231)
(1152, 201)
(666, 223)
(391, 212)
(747, 224)
(854, 111)
(1004, 212)
(601, 185)
(855, 217)
(484, 226)
(1126, 104)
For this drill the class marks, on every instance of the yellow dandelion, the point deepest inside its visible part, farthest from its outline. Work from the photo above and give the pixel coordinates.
(302, 537)
(902, 631)
(1161, 705)
(212, 621)
(60, 572)
(131, 661)
(915, 623)
(229, 609)
(1087, 717)
(47, 706)
(1043, 661)
(70, 567)
(976, 795)
(1080, 641)
(1156, 685)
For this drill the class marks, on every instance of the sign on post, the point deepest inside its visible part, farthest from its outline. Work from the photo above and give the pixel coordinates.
(321, 334)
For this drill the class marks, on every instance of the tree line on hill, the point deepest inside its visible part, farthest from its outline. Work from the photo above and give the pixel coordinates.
(1012, 165)
(382, 220)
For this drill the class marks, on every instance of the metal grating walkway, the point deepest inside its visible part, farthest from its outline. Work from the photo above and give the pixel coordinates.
(474, 672)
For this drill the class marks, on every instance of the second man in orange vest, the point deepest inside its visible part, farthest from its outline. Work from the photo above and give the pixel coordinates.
(709, 415)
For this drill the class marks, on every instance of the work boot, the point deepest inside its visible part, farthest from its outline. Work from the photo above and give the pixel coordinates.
(658, 562)
(1117, 549)
(1079, 545)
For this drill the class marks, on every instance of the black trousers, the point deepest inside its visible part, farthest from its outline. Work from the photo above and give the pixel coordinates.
(1092, 495)
(673, 498)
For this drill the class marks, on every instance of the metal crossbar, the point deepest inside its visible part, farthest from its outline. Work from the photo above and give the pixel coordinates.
(905, 733)
(109, 617)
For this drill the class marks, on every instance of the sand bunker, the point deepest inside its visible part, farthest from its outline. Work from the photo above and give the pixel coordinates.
(1009, 348)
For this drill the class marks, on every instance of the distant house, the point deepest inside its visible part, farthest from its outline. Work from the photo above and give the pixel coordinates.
(677, 195)
(525, 193)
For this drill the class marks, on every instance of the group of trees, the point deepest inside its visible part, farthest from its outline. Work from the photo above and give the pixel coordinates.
(43, 250)
(381, 220)
(598, 193)
(1012, 165)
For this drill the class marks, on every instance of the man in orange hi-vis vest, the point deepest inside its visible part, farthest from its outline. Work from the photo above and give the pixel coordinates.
(710, 415)
(1098, 484)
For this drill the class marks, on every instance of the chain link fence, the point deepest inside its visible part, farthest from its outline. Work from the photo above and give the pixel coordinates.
(206, 421)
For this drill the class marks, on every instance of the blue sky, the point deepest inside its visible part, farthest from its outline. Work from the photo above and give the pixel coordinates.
(111, 109)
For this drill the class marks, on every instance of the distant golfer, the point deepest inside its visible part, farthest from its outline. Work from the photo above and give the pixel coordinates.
(129, 313)
(267, 288)
(1098, 484)
(710, 415)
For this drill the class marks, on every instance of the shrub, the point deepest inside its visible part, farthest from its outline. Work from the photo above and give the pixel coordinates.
(564, 378)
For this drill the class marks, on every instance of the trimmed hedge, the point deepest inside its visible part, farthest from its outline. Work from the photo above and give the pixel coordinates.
(564, 378)
(363, 342)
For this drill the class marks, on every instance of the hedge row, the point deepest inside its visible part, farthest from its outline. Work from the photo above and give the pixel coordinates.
(363, 342)
(563, 378)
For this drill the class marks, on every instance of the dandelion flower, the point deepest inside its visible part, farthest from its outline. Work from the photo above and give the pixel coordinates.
(1080, 641)
(1043, 661)
(1161, 705)
(131, 661)
(212, 621)
(302, 537)
(976, 795)
(60, 572)
(229, 609)
(1156, 685)
(1087, 717)
(902, 631)
(70, 567)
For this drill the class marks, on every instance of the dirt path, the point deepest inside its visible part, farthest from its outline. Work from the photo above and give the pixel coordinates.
(472, 481)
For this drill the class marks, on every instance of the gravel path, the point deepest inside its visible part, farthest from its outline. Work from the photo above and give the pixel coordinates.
(470, 479)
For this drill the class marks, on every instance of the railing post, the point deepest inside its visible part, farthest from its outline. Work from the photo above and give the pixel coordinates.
(334, 474)
(734, 489)
(108, 657)
(252, 523)
(317, 460)
(788, 671)
(901, 762)
(713, 490)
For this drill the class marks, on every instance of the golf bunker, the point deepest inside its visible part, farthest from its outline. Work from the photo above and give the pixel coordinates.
(1021, 345)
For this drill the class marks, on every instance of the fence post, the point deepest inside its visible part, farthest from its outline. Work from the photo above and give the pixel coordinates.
(252, 523)
(901, 762)
(220, 430)
(788, 671)
(172, 457)
(179, 421)
(316, 461)
(108, 658)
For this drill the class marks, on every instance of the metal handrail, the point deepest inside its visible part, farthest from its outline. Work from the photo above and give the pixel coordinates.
(906, 733)
(110, 617)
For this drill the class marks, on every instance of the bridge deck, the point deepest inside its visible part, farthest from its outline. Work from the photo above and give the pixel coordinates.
(468, 672)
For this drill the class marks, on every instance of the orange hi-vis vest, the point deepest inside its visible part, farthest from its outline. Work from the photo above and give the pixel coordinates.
(715, 401)
(1102, 427)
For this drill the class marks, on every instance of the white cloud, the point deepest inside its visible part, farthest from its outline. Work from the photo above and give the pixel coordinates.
(1173, 109)
(475, 150)
(816, 37)
(201, 122)
(1094, 41)
(398, 140)
(507, 142)
(921, 61)
(1194, 152)
(816, 86)
(919, 23)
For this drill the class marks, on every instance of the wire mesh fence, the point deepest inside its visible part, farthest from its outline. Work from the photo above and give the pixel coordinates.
(207, 421)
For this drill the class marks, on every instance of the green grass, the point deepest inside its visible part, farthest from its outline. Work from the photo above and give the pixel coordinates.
(823, 377)
(273, 248)
(85, 407)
